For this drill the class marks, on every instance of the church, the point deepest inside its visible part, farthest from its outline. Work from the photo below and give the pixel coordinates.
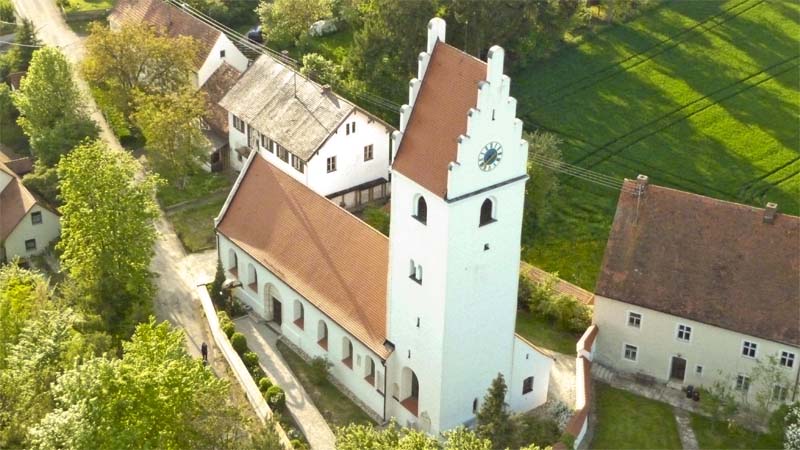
(416, 325)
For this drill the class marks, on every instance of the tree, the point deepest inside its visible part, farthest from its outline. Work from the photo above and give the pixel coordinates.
(216, 294)
(324, 71)
(136, 58)
(19, 56)
(543, 182)
(107, 232)
(493, 418)
(719, 400)
(22, 294)
(284, 21)
(155, 396)
(791, 439)
(52, 111)
(359, 437)
(170, 124)
(43, 180)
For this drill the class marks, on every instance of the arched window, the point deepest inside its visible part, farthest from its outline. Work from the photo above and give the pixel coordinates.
(347, 352)
(233, 263)
(322, 335)
(421, 210)
(299, 314)
(487, 213)
(369, 370)
(252, 277)
(409, 390)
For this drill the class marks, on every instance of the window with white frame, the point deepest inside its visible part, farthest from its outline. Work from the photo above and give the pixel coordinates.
(631, 352)
(298, 164)
(368, 152)
(331, 164)
(749, 349)
(634, 320)
(684, 333)
(238, 124)
(779, 393)
(266, 143)
(787, 359)
(742, 383)
(283, 154)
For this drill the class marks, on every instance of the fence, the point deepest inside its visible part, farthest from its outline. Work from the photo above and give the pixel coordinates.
(579, 422)
(240, 371)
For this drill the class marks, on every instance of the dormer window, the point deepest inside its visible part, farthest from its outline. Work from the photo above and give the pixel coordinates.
(487, 213)
(421, 210)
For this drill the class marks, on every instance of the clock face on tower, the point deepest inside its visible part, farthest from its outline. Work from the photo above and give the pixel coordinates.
(490, 156)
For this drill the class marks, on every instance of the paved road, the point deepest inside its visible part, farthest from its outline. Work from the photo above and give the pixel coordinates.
(177, 273)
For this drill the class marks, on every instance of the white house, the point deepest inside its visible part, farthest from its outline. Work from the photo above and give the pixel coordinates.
(418, 324)
(695, 290)
(215, 47)
(27, 226)
(317, 137)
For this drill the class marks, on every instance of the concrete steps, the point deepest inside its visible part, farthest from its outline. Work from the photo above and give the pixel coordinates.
(603, 373)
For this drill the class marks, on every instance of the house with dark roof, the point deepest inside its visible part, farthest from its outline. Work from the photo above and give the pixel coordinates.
(695, 290)
(417, 325)
(215, 46)
(215, 119)
(319, 138)
(27, 225)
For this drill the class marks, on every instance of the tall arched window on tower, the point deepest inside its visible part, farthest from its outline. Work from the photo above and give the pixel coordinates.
(421, 210)
(487, 212)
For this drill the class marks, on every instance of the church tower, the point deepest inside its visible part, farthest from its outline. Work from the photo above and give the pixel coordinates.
(458, 187)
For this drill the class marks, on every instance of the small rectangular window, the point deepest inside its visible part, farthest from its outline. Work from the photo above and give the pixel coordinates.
(331, 164)
(742, 383)
(238, 124)
(36, 217)
(283, 154)
(527, 385)
(298, 164)
(779, 393)
(634, 320)
(266, 143)
(684, 333)
(787, 359)
(347, 129)
(353, 128)
(698, 370)
(222, 53)
(631, 352)
(749, 349)
(368, 152)
(30, 244)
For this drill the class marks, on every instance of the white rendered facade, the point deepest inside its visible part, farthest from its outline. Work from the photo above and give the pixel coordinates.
(42, 233)
(223, 51)
(348, 149)
(455, 329)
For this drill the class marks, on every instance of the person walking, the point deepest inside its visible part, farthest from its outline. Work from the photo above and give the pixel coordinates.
(204, 352)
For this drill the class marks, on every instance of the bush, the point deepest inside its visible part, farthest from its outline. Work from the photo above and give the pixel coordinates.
(524, 292)
(275, 397)
(534, 430)
(239, 343)
(297, 444)
(319, 369)
(264, 383)
(544, 300)
(228, 328)
(250, 360)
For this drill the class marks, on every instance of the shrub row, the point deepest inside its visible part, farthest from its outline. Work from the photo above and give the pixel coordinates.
(543, 299)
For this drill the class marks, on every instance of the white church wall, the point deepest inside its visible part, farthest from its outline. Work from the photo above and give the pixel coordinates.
(306, 338)
(528, 362)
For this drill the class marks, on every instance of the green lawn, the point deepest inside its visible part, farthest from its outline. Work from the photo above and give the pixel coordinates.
(199, 186)
(334, 406)
(716, 435)
(546, 334)
(194, 225)
(627, 421)
(700, 96)
(89, 5)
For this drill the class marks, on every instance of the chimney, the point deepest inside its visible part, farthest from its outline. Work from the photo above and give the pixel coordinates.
(769, 212)
(641, 185)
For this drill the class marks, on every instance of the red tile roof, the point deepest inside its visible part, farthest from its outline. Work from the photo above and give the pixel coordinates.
(15, 202)
(169, 19)
(330, 257)
(439, 116)
(707, 260)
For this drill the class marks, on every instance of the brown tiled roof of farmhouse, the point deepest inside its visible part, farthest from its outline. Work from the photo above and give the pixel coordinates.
(169, 19)
(336, 261)
(707, 260)
(15, 202)
(449, 89)
(217, 85)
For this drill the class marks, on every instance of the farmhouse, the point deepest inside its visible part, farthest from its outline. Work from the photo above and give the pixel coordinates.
(416, 325)
(215, 47)
(695, 290)
(322, 140)
(27, 225)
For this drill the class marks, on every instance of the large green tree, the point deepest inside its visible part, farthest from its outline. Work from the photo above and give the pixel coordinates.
(360, 437)
(544, 157)
(170, 124)
(155, 396)
(19, 56)
(52, 112)
(22, 294)
(285, 21)
(107, 232)
(137, 58)
(493, 418)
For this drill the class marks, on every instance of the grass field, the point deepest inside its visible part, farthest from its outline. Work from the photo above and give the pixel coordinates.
(194, 225)
(716, 435)
(627, 421)
(543, 333)
(700, 96)
(89, 5)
